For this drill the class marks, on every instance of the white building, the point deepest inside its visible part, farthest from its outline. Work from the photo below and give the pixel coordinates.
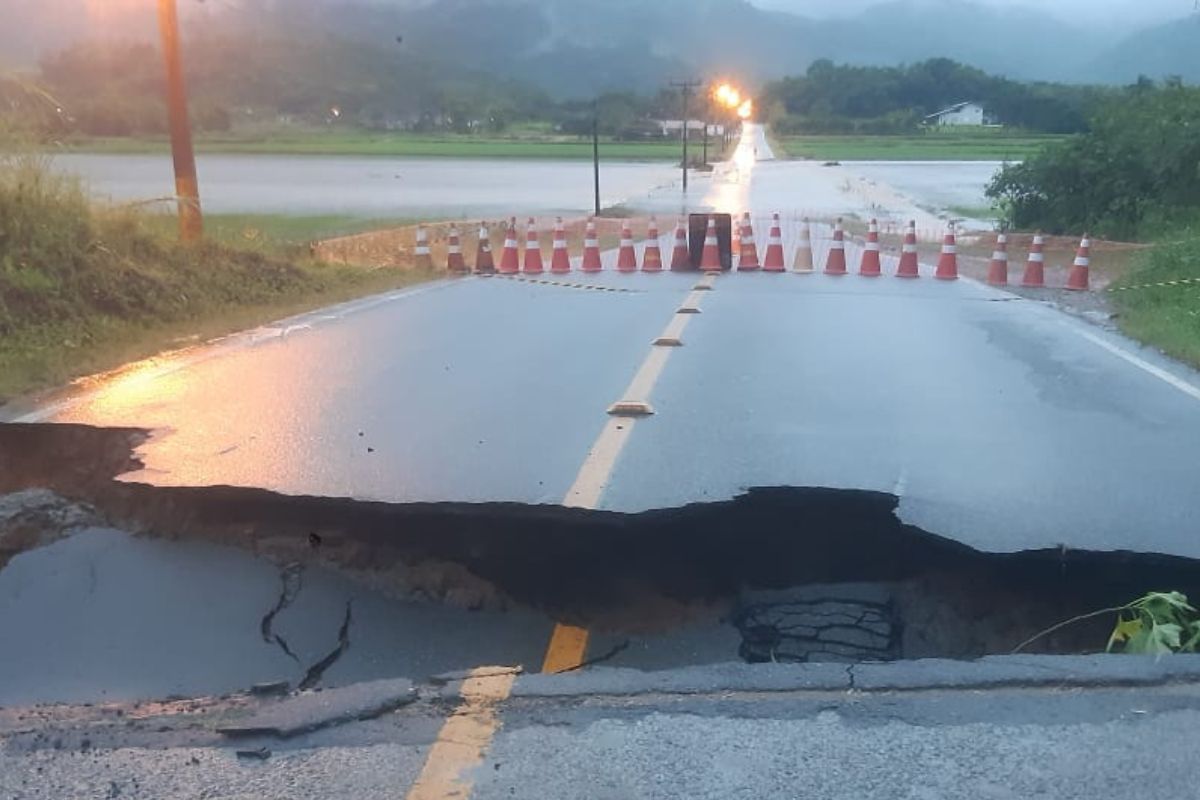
(674, 126)
(959, 114)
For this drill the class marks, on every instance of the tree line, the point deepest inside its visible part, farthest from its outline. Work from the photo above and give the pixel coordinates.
(832, 98)
(1135, 173)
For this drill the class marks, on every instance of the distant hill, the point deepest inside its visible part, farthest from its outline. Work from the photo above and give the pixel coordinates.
(578, 47)
(1158, 52)
(575, 48)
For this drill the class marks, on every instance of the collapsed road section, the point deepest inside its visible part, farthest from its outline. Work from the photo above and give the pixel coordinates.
(798, 574)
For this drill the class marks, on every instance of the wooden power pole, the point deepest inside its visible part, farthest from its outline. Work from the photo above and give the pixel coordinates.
(187, 188)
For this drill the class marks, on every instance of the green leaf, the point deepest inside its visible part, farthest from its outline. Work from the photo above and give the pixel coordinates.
(1193, 640)
(1176, 601)
(1124, 630)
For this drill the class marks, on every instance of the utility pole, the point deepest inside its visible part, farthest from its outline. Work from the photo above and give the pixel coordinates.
(596, 151)
(685, 88)
(187, 188)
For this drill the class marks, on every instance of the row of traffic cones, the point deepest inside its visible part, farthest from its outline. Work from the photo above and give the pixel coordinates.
(773, 261)
(1078, 279)
(560, 262)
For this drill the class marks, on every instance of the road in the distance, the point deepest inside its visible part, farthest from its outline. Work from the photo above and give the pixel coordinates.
(997, 421)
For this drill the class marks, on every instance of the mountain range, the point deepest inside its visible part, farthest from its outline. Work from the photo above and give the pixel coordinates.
(579, 47)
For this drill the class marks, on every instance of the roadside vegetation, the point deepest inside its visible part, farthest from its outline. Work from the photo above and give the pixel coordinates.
(85, 288)
(1157, 623)
(1132, 175)
(832, 99)
(1168, 316)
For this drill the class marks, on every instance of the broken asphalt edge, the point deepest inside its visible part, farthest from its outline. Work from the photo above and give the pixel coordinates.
(1015, 671)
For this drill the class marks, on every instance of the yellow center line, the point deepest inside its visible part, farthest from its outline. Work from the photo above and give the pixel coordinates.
(468, 732)
(568, 643)
(464, 737)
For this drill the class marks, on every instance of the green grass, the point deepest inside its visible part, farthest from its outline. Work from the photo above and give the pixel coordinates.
(273, 232)
(361, 143)
(84, 288)
(984, 145)
(1166, 317)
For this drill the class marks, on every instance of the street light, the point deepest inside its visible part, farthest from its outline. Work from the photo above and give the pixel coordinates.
(187, 188)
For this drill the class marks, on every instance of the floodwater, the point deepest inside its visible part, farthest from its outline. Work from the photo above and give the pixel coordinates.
(381, 187)
(373, 186)
(937, 184)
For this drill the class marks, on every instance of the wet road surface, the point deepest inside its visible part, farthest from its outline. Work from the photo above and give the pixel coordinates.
(997, 421)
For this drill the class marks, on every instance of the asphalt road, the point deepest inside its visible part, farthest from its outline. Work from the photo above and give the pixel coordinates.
(998, 421)
(798, 733)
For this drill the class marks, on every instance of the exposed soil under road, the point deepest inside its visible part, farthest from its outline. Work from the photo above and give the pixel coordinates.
(613, 571)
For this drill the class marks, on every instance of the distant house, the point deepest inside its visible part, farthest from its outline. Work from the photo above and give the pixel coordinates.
(959, 114)
(674, 126)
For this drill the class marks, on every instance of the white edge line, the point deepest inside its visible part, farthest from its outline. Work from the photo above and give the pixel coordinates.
(1187, 388)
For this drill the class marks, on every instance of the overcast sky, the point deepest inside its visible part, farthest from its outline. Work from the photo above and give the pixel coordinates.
(1106, 12)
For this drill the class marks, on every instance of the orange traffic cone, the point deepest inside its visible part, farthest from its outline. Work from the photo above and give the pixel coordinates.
(773, 262)
(560, 262)
(533, 251)
(998, 269)
(509, 260)
(870, 266)
(947, 266)
(803, 262)
(909, 267)
(681, 257)
(835, 264)
(1077, 281)
(748, 259)
(454, 256)
(626, 256)
(1035, 267)
(421, 257)
(484, 265)
(591, 249)
(710, 257)
(652, 255)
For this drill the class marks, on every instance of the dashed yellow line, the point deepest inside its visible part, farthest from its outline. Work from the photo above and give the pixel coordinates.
(568, 643)
(467, 734)
(464, 737)
(567, 648)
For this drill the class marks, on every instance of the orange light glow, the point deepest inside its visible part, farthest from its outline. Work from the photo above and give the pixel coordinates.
(727, 96)
(746, 109)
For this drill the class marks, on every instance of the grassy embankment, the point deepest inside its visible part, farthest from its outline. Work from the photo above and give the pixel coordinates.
(85, 288)
(988, 144)
(1167, 317)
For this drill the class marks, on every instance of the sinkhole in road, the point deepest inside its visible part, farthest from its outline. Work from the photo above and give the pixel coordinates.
(802, 574)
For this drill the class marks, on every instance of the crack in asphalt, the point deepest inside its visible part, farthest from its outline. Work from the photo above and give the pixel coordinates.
(291, 582)
(313, 676)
